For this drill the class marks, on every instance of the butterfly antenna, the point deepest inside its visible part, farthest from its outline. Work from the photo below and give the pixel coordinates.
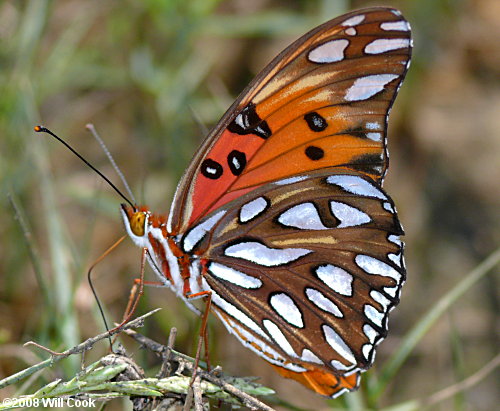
(92, 129)
(41, 129)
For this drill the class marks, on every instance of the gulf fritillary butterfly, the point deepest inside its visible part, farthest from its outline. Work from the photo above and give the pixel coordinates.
(281, 216)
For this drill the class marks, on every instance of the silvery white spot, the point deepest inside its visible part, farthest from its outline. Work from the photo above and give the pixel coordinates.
(309, 356)
(287, 309)
(380, 298)
(319, 299)
(257, 345)
(252, 209)
(375, 316)
(260, 254)
(239, 120)
(396, 239)
(370, 333)
(374, 125)
(351, 31)
(337, 343)
(400, 25)
(367, 350)
(365, 87)
(196, 234)
(279, 337)
(388, 206)
(237, 314)
(339, 393)
(339, 366)
(234, 276)
(290, 180)
(374, 136)
(303, 216)
(403, 263)
(236, 163)
(396, 259)
(338, 279)
(380, 46)
(356, 185)
(348, 216)
(329, 52)
(354, 21)
(373, 266)
(391, 291)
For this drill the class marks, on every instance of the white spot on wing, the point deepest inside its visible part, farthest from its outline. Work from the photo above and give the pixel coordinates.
(374, 125)
(309, 356)
(237, 314)
(303, 216)
(396, 259)
(234, 276)
(260, 254)
(366, 350)
(392, 291)
(252, 209)
(338, 279)
(370, 333)
(395, 239)
(351, 31)
(287, 309)
(354, 21)
(339, 366)
(373, 266)
(340, 392)
(290, 180)
(395, 25)
(380, 298)
(388, 206)
(348, 216)
(319, 299)
(356, 185)
(279, 337)
(337, 343)
(374, 136)
(329, 52)
(195, 235)
(379, 46)
(257, 345)
(365, 87)
(375, 316)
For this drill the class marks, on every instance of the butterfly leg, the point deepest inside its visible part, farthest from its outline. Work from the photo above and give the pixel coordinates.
(203, 335)
(136, 293)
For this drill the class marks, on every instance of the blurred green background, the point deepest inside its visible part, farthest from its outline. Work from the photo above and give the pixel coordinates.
(151, 75)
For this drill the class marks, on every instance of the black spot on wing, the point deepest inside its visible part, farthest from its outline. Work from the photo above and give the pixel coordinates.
(211, 169)
(249, 122)
(314, 153)
(236, 161)
(315, 121)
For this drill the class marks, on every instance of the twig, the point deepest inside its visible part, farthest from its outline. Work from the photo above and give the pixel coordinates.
(86, 345)
(188, 363)
(166, 369)
(470, 381)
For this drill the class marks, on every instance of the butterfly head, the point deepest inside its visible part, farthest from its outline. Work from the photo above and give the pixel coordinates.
(137, 221)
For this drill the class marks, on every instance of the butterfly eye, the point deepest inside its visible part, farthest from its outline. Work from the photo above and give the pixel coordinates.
(137, 223)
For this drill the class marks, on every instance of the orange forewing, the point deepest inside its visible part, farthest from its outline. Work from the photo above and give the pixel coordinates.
(289, 88)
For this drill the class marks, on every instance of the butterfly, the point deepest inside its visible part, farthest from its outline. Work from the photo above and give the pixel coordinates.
(281, 219)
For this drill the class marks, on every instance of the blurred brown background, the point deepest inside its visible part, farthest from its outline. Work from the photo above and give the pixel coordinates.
(146, 74)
